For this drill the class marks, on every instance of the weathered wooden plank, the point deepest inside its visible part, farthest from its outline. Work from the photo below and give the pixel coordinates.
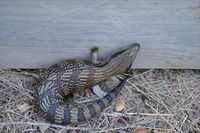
(35, 34)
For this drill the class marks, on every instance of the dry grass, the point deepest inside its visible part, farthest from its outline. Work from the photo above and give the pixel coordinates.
(159, 100)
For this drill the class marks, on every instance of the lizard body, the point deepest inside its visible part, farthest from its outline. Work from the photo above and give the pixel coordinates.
(61, 79)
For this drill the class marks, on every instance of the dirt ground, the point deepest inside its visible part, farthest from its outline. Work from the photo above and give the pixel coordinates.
(160, 101)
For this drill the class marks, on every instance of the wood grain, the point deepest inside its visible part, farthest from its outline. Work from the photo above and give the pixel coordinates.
(35, 34)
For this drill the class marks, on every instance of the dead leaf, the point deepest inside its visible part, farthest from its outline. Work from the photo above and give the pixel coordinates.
(23, 107)
(43, 128)
(120, 104)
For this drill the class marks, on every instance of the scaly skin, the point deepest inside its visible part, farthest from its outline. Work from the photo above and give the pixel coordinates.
(62, 79)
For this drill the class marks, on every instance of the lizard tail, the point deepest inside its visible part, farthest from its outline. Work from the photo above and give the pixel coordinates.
(63, 114)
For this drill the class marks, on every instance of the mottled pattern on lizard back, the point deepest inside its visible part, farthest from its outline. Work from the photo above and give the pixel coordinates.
(63, 78)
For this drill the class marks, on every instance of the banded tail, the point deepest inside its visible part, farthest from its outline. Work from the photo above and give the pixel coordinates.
(60, 113)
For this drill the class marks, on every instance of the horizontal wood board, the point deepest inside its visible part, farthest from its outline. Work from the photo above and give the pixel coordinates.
(38, 33)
